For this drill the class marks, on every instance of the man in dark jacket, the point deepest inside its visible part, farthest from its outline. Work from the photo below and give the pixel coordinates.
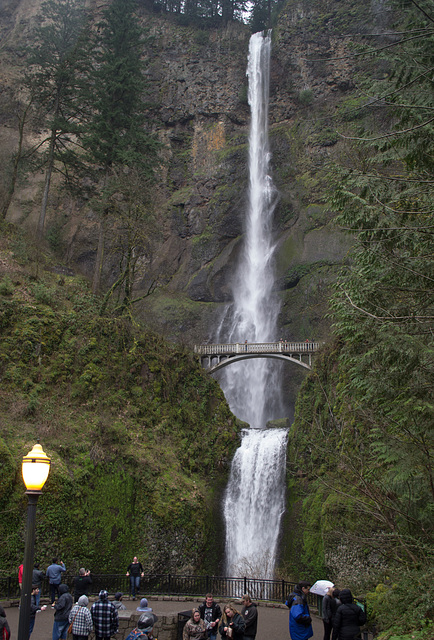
(81, 584)
(37, 578)
(250, 617)
(210, 612)
(300, 622)
(348, 619)
(62, 609)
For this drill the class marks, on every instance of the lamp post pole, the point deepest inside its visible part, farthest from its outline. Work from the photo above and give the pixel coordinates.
(35, 469)
(29, 555)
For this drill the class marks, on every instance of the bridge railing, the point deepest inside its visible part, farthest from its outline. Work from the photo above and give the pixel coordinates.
(256, 347)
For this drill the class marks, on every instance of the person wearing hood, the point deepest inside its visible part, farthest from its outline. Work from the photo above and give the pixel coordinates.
(117, 602)
(195, 628)
(143, 606)
(80, 619)
(300, 622)
(105, 617)
(348, 619)
(62, 610)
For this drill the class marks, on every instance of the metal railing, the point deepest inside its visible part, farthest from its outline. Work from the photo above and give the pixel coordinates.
(170, 585)
(257, 347)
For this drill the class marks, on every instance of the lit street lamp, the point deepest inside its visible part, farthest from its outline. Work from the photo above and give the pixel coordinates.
(35, 469)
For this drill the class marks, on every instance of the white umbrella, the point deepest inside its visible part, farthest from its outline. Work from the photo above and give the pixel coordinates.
(321, 587)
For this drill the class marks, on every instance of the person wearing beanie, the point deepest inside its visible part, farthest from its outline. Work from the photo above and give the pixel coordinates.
(117, 602)
(348, 619)
(300, 622)
(80, 619)
(105, 617)
(143, 606)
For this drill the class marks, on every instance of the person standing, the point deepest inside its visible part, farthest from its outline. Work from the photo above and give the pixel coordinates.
(348, 619)
(54, 575)
(195, 628)
(300, 622)
(81, 619)
(249, 613)
(37, 578)
(81, 584)
(105, 617)
(62, 609)
(34, 607)
(5, 632)
(232, 625)
(330, 604)
(211, 613)
(135, 571)
(20, 576)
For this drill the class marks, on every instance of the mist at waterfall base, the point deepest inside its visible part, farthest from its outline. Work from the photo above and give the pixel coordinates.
(255, 496)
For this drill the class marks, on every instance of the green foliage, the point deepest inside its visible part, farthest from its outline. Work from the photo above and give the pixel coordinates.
(6, 286)
(363, 434)
(412, 594)
(305, 97)
(122, 414)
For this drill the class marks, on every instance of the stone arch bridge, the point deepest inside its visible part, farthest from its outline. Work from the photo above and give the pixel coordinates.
(216, 356)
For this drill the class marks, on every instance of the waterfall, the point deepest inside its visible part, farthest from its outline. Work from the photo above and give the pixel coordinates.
(255, 495)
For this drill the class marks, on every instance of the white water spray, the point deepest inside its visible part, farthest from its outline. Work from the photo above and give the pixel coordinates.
(255, 496)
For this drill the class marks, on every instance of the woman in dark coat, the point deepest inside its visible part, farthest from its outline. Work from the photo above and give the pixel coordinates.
(349, 617)
(232, 625)
(330, 605)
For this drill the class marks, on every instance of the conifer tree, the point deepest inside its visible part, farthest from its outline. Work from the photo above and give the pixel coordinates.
(55, 60)
(116, 135)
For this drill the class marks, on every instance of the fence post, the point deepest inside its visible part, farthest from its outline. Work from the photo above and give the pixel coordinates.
(168, 584)
(245, 585)
(207, 585)
(283, 590)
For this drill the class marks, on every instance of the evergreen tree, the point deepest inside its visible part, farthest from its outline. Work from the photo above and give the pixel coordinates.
(55, 60)
(116, 135)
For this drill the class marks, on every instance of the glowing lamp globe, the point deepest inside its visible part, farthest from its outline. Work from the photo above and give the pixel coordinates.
(35, 468)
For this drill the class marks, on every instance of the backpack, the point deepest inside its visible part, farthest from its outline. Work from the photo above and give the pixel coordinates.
(135, 634)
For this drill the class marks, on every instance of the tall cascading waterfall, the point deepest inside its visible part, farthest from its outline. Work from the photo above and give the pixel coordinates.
(255, 495)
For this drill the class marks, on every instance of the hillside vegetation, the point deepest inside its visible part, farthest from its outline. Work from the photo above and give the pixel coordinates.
(139, 436)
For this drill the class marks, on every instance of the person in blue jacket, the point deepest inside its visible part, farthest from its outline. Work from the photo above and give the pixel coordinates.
(300, 622)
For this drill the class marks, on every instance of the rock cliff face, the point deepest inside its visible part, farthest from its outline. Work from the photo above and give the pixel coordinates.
(198, 88)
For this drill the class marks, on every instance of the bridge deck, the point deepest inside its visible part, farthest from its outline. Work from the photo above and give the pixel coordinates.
(257, 348)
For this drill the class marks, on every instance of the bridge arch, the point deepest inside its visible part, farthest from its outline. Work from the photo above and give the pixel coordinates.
(226, 361)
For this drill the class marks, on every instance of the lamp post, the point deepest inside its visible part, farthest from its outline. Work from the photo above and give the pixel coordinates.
(35, 469)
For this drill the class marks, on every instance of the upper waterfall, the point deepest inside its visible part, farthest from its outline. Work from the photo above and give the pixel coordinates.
(255, 495)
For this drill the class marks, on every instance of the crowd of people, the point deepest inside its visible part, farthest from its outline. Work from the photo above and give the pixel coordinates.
(341, 616)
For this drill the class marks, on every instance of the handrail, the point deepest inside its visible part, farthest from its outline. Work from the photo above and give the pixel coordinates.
(257, 347)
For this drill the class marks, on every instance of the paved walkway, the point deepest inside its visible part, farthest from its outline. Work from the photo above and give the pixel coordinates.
(272, 620)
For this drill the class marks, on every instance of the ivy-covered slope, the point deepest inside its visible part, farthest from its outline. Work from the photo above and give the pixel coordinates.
(139, 436)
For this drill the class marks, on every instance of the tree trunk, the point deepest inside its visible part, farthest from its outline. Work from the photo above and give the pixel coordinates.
(96, 282)
(11, 190)
(48, 174)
